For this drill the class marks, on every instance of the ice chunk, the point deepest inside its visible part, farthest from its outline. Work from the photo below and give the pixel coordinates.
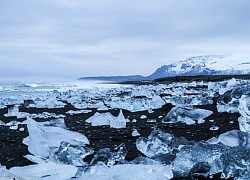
(136, 103)
(42, 137)
(186, 114)
(232, 138)
(244, 124)
(143, 117)
(135, 133)
(157, 142)
(129, 171)
(45, 171)
(69, 154)
(13, 125)
(119, 121)
(14, 111)
(200, 168)
(71, 112)
(110, 157)
(46, 115)
(237, 164)
(214, 128)
(50, 102)
(100, 119)
(145, 161)
(244, 109)
(200, 152)
(2, 123)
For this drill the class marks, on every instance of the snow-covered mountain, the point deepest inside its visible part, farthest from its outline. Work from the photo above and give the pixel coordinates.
(198, 65)
(204, 65)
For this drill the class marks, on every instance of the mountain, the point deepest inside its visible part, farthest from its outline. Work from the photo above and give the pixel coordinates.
(193, 66)
(204, 65)
(115, 78)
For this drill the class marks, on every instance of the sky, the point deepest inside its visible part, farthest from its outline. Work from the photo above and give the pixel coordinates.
(76, 38)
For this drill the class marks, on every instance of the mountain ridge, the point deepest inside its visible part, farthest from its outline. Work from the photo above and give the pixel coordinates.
(193, 66)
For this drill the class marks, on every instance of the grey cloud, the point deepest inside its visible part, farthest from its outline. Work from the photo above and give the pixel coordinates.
(62, 38)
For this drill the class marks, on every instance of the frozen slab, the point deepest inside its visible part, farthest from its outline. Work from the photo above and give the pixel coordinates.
(44, 171)
(101, 119)
(129, 171)
(186, 114)
(42, 138)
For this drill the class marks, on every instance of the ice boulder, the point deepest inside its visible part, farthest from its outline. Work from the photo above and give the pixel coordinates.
(186, 114)
(100, 119)
(189, 156)
(43, 137)
(158, 142)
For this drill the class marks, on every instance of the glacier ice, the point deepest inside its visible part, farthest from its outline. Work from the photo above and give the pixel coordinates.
(157, 142)
(100, 119)
(42, 137)
(186, 114)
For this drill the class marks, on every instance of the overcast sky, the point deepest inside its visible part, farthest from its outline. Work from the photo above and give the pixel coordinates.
(74, 38)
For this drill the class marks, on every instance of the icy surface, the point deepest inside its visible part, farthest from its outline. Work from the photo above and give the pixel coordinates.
(129, 172)
(45, 171)
(61, 153)
(186, 114)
